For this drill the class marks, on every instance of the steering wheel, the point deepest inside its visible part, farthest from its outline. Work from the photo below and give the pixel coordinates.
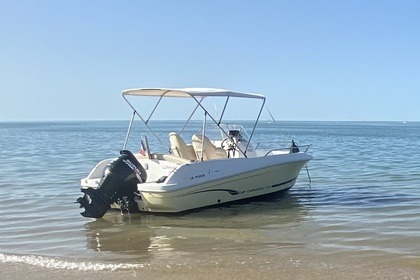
(228, 143)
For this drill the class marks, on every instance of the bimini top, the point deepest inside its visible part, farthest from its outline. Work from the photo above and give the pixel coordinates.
(189, 92)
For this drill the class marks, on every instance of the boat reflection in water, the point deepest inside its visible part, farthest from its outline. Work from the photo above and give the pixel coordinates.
(262, 224)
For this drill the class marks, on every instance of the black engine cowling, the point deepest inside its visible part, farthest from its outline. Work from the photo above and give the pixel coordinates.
(119, 182)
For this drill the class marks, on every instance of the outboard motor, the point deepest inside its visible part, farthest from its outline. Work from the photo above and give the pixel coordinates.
(119, 182)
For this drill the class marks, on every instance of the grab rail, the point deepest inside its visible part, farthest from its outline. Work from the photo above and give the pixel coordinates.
(289, 149)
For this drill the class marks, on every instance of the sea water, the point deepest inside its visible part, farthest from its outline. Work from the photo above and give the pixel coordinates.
(356, 208)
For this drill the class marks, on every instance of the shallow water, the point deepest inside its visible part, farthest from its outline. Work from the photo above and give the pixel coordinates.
(361, 209)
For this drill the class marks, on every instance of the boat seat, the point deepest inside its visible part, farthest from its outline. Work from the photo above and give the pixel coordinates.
(210, 151)
(180, 149)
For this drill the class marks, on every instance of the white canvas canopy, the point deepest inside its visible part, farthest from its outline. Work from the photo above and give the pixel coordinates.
(189, 92)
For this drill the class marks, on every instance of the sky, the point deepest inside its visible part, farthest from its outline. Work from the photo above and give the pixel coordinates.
(313, 60)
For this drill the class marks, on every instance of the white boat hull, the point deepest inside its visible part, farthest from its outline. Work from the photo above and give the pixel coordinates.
(206, 185)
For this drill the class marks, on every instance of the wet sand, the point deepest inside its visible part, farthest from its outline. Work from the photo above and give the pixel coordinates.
(287, 270)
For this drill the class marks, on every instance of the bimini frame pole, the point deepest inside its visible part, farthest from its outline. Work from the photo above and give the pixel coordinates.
(203, 135)
(153, 111)
(145, 123)
(223, 111)
(129, 130)
(255, 125)
(185, 124)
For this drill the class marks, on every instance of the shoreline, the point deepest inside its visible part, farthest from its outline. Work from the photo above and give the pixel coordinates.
(284, 269)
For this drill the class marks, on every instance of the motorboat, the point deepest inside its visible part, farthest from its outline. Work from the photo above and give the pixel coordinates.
(190, 171)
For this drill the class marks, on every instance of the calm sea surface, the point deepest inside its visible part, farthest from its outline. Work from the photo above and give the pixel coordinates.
(361, 211)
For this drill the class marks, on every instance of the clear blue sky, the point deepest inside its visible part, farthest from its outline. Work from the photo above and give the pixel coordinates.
(314, 60)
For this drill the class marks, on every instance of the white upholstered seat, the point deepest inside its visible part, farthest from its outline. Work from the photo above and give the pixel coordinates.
(180, 148)
(209, 150)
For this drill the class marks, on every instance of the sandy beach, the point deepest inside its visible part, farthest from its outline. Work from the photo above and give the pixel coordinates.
(286, 270)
